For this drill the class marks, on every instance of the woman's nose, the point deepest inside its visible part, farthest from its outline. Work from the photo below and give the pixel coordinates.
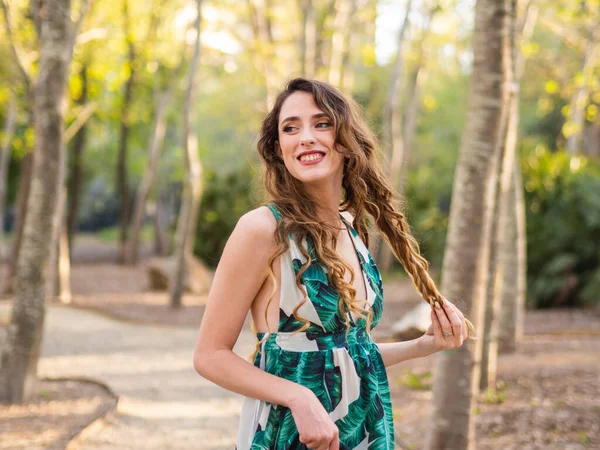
(307, 138)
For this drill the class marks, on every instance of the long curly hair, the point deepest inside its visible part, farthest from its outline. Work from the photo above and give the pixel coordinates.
(367, 194)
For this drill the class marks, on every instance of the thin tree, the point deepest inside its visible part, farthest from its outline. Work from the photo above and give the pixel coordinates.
(308, 41)
(24, 69)
(18, 377)
(392, 118)
(186, 228)
(7, 135)
(466, 257)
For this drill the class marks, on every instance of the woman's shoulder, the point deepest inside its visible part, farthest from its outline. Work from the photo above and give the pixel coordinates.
(258, 223)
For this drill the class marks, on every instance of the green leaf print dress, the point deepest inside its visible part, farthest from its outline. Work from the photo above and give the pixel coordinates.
(347, 376)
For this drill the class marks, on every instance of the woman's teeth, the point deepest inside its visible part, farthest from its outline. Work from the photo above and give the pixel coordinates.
(311, 157)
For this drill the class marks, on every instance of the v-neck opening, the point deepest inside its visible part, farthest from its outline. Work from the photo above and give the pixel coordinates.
(362, 271)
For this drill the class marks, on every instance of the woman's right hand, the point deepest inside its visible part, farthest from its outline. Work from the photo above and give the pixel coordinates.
(316, 429)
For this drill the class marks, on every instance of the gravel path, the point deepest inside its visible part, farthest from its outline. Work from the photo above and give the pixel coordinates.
(164, 403)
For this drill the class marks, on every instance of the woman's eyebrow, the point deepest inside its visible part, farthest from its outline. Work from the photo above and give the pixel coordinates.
(292, 118)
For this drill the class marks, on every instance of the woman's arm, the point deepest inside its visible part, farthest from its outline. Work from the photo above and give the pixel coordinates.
(241, 272)
(397, 352)
(447, 318)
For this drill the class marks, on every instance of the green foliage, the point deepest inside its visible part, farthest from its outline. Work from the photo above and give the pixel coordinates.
(226, 197)
(563, 228)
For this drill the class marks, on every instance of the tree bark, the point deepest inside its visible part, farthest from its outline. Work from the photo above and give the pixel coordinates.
(9, 131)
(339, 40)
(154, 150)
(22, 206)
(580, 99)
(160, 223)
(122, 165)
(59, 278)
(76, 172)
(393, 132)
(186, 228)
(308, 41)
(18, 376)
(466, 259)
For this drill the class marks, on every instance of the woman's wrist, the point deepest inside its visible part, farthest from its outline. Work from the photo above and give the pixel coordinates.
(424, 347)
(296, 395)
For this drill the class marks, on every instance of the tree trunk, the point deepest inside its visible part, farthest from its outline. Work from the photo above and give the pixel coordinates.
(505, 256)
(339, 40)
(154, 150)
(580, 99)
(18, 376)
(393, 140)
(22, 205)
(466, 258)
(511, 306)
(59, 277)
(260, 11)
(160, 222)
(76, 172)
(122, 166)
(308, 41)
(9, 130)
(186, 228)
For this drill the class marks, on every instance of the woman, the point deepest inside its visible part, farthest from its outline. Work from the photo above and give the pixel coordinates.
(302, 268)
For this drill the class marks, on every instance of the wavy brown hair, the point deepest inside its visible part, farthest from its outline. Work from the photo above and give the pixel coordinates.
(367, 195)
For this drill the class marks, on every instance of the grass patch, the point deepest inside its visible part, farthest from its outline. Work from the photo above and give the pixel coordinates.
(46, 395)
(493, 396)
(415, 381)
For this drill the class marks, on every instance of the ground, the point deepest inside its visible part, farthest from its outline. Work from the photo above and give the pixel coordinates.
(117, 332)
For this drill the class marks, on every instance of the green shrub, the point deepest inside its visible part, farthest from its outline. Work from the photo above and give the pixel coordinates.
(562, 196)
(225, 198)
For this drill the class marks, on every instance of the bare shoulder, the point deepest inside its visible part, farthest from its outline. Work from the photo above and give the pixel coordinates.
(259, 222)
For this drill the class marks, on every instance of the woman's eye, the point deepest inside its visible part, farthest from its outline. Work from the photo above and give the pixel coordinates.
(288, 129)
(327, 124)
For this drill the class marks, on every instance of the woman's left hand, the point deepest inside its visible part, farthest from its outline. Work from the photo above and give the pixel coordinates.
(445, 319)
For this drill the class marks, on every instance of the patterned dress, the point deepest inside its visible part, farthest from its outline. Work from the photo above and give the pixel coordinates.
(347, 376)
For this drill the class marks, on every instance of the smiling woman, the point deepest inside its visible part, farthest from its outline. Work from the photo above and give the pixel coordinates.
(301, 265)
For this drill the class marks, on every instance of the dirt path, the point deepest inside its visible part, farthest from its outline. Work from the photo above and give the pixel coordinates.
(163, 403)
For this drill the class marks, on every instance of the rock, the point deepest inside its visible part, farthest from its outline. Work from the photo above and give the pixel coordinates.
(413, 324)
(161, 270)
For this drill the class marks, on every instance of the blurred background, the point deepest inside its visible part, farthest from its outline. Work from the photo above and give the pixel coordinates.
(158, 116)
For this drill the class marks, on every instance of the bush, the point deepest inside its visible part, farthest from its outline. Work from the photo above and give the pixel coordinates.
(562, 196)
(226, 197)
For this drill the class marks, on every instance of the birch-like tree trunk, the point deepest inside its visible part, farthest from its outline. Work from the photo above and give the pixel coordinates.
(308, 41)
(500, 252)
(18, 374)
(59, 277)
(76, 164)
(580, 99)
(7, 135)
(186, 228)
(339, 40)
(466, 258)
(122, 166)
(154, 151)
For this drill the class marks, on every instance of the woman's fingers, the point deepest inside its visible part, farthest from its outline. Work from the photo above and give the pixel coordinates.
(444, 322)
(456, 322)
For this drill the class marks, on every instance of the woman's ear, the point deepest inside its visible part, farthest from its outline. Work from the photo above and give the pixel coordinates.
(278, 150)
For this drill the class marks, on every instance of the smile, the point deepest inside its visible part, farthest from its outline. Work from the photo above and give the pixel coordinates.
(311, 158)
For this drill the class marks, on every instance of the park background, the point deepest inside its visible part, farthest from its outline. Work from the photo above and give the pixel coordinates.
(159, 160)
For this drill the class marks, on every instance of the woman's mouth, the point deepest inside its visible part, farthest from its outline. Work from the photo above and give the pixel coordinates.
(309, 159)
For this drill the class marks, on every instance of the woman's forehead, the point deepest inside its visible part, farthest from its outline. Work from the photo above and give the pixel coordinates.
(299, 104)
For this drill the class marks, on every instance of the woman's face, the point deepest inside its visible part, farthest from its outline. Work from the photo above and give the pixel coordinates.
(306, 141)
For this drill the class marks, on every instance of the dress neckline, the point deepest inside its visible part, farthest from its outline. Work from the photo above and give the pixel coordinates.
(350, 230)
